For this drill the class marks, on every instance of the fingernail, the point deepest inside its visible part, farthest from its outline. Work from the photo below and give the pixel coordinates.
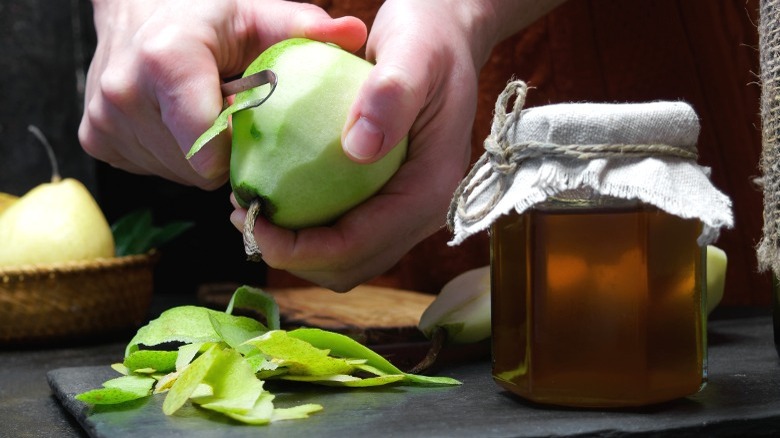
(364, 139)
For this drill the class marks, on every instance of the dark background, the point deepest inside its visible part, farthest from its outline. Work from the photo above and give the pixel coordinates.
(702, 51)
(46, 46)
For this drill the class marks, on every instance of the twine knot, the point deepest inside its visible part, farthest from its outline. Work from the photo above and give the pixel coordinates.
(498, 152)
(497, 147)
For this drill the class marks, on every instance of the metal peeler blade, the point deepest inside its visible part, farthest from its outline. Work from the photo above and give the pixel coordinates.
(247, 83)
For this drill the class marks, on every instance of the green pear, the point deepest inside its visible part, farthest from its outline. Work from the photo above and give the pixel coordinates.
(54, 222)
(717, 261)
(287, 152)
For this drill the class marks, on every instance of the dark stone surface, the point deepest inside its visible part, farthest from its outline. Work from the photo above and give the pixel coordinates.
(42, 71)
(742, 398)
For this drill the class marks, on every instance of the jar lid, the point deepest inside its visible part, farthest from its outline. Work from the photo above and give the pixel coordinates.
(642, 151)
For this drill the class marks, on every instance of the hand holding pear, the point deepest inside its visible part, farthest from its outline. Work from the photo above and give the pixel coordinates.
(287, 161)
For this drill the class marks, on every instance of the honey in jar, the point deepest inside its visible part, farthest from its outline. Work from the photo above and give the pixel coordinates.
(598, 304)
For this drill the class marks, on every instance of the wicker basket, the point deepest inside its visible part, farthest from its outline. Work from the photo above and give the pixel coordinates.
(74, 300)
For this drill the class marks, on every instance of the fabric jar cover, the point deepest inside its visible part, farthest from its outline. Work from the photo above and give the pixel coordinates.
(644, 151)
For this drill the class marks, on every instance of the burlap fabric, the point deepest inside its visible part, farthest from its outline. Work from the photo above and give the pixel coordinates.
(769, 47)
(643, 151)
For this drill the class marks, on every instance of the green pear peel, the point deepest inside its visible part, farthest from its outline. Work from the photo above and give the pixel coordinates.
(225, 360)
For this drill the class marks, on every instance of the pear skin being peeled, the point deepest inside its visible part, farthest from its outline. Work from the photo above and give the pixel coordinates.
(287, 152)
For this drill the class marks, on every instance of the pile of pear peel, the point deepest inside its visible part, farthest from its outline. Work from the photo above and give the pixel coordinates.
(223, 361)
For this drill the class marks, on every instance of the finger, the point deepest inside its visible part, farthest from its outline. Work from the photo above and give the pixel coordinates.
(123, 125)
(349, 33)
(187, 88)
(303, 253)
(351, 251)
(106, 140)
(387, 104)
(187, 110)
(276, 22)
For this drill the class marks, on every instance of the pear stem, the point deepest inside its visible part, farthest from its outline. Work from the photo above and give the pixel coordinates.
(55, 169)
(251, 249)
(438, 338)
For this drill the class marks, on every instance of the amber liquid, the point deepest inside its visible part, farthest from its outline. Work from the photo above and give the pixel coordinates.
(598, 308)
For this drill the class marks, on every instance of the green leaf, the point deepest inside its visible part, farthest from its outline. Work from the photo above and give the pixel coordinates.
(135, 233)
(299, 357)
(256, 299)
(162, 235)
(131, 231)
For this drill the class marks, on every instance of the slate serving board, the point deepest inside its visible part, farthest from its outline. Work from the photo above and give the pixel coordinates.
(383, 408)
(742, 398)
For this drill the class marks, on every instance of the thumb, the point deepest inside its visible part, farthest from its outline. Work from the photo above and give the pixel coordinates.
(386, 107)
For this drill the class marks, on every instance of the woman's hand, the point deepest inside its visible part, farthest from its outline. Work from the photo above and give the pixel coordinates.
(428, 55)
(154, 84)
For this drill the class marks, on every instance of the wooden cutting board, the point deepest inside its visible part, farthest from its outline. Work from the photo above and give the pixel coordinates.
(371, 314)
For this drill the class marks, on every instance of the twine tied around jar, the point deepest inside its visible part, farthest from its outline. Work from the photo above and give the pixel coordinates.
(505, 156)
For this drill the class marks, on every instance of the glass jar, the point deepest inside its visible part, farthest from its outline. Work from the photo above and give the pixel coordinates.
(776, 313)
(598, 303)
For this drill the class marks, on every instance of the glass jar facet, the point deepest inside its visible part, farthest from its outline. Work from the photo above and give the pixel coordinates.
(598, 303)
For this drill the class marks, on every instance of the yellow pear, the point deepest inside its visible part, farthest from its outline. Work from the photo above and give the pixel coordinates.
(54, 222)
(6, 199)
